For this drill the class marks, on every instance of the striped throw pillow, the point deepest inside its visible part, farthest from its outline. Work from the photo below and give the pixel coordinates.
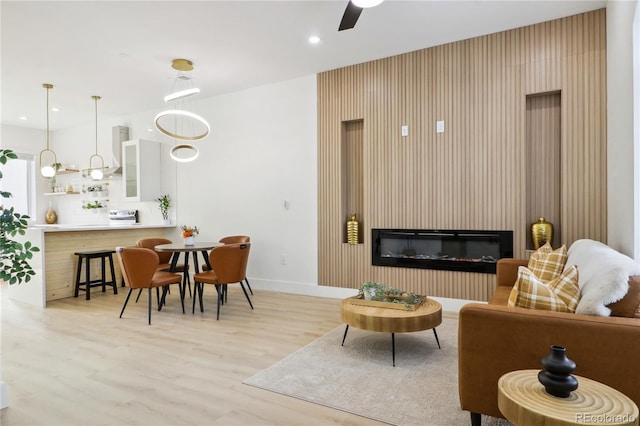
(561, 294)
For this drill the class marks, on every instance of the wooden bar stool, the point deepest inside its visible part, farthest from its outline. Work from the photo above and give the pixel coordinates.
(103, 255)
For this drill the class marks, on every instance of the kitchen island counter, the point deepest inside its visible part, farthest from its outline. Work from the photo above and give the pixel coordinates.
(55, 263)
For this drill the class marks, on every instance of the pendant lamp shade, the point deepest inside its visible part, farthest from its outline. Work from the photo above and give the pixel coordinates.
(48, 170)
(96, 173)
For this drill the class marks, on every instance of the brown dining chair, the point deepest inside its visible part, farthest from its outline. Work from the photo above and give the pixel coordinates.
(165, 259)
(139, 267)
(228, 263)
(238, 239)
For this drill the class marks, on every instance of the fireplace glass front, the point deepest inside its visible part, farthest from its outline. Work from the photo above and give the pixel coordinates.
(453, 250)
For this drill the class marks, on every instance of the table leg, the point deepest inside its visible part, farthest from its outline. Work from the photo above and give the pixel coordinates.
(393, 348)
(436, 334)
(195, 262)
(185, 278)
(345, 334)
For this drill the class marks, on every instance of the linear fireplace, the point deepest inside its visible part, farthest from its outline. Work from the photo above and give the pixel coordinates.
(453, 250)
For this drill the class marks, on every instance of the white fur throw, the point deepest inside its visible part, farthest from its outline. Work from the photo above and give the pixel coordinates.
(603, 275)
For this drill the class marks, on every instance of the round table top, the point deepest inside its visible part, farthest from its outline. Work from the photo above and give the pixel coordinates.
(388, 320)
(523, 401)
(197, 246)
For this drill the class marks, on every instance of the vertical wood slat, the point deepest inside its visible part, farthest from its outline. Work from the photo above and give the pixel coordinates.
(472, 176)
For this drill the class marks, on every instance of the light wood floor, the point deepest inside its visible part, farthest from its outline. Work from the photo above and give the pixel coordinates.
(76, 363)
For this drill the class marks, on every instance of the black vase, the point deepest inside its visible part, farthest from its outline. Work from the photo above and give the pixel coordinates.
(556, 376)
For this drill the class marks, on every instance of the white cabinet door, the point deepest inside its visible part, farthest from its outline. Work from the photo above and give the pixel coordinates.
(141, 171)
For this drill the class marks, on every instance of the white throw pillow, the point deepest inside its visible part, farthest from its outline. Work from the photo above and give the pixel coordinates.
(603, 275)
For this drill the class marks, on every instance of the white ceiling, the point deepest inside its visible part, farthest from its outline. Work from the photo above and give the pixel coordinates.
(122, 50)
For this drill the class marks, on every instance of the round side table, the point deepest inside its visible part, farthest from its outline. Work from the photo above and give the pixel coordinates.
(523, 401)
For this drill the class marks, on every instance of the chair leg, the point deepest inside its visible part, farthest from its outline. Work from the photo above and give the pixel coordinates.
(181, 296)
(113, 275)
(103, 274)
(193, 299)
(476, 419)
(246, 295)
(75, 292)
(248, 285)
(125, 302)
(200, 291)
(220, 295)
(139, 293)
(151, 303)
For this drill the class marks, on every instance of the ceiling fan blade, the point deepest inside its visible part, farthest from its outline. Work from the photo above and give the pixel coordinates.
(350, 17)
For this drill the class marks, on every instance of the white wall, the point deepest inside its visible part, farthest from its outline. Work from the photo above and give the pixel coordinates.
(622, 226)
(262, 150)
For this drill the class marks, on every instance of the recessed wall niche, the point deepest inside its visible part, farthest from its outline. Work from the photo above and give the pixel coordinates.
(352, 141)
(543, 160)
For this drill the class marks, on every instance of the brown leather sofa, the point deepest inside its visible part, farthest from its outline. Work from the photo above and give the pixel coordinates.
(494, 339)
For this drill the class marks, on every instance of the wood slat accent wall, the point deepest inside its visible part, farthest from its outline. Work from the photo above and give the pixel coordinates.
(472, 176)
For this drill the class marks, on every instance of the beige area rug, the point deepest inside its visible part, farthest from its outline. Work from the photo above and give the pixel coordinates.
(422, 389)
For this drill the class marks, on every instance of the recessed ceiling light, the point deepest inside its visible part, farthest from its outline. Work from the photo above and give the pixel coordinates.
(23, 118)
(314, 39)
(55, 109)
(149, 130)
(367, 3)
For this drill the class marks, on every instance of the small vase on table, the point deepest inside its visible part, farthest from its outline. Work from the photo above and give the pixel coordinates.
(188, 241)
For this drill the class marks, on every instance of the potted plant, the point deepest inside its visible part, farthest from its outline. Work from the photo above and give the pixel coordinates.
(164, 203)
(14, 256)
(371, 290)
(188, 233)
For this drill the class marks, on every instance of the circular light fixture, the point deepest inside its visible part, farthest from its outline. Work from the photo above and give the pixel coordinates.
(181, 94)
(366, 3)
(180, 113)
(178, 151)
(314, 39)
(96, 174)
(48, 171)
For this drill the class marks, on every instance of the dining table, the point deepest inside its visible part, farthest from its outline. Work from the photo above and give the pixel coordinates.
(201, 247)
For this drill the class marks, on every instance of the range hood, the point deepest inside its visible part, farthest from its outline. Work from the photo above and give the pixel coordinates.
(119, 134)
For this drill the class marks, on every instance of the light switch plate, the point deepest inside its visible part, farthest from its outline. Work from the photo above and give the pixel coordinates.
(440, 126)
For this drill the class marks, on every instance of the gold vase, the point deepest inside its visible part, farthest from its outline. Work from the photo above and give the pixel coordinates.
(50, 216)
(352, 230)
(541, 232)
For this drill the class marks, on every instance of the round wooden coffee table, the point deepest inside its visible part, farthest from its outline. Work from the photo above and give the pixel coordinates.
(523, 401)
(372, 318)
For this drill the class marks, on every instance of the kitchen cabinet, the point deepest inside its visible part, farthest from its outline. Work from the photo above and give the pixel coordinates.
(141, 171)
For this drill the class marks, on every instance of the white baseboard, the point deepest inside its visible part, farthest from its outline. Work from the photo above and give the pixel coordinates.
(308, 289)
(4, 398)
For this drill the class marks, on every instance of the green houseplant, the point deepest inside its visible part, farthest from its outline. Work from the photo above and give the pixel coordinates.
(164, 202)
(14, 256)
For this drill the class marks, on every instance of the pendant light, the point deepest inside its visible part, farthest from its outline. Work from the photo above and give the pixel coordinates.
(49, 170)
(179, 122)
(96, 173)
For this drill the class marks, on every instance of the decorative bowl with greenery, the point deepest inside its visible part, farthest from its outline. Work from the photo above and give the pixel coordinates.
(378, 292)
(164, 202)
(14, 256)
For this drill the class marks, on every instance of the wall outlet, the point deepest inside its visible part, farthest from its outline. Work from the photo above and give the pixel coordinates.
(283, 259)
(404, 130)
(440, 126)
